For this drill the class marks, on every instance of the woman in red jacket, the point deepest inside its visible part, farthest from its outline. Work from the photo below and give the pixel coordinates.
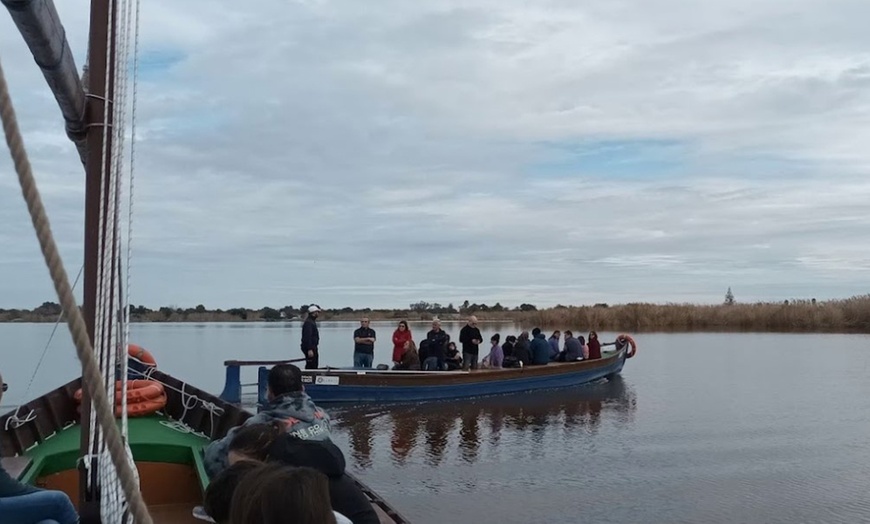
(401, 335)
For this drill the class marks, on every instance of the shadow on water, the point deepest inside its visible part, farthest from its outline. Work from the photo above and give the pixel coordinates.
(436, 429)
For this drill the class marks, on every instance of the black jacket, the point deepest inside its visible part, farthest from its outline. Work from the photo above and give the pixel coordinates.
(324, 456)
(438, 341)
(310, 336)
(466, 335)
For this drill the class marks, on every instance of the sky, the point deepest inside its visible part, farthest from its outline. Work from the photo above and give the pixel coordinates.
(375, 154)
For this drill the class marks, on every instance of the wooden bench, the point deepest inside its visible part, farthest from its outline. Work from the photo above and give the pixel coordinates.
(16, 466)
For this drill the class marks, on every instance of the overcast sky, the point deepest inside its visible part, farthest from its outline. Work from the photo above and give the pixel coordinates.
(381, 153)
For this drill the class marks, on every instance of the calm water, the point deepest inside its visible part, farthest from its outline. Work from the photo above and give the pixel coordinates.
(712, 428)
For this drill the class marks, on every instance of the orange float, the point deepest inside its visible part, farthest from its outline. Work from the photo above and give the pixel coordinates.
(141, 354)
(632, 345)
(143, 397)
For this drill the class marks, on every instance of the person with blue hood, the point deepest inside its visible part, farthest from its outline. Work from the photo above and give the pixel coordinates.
(540, 348)
(288, 404)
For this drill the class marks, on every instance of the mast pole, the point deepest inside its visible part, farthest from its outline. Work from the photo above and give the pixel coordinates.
(99, 64)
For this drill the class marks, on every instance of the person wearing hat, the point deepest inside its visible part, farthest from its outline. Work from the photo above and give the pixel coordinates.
(311, 338)
(23, 503)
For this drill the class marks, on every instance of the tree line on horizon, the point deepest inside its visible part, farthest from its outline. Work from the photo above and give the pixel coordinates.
(801, 315)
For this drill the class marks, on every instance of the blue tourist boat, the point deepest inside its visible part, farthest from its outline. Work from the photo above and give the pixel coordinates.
(348, 385)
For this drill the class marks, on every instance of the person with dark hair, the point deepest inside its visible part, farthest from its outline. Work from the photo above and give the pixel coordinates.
(452, 357)
(594, 346)
(508, 346)
(20, 502)
(311, 338)
(573, 348)
(277, 494)
(219, 492)
(410, 359)
(554, 344)
(495, 359)
(540, 348)
(401, 336)
(522, 350)
(288, 404)
(269, 443)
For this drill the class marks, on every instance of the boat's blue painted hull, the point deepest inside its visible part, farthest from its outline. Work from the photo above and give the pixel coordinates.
(328, 393)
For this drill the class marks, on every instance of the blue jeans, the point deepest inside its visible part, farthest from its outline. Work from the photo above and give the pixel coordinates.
(432, 364)
(363, 360)
(42, 507)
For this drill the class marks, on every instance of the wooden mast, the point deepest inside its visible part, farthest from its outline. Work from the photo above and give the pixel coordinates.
(100, 62)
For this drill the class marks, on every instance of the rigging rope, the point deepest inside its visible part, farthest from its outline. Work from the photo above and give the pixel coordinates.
(92, 376)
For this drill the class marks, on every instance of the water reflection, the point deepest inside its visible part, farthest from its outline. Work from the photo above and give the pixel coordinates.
(437, 431)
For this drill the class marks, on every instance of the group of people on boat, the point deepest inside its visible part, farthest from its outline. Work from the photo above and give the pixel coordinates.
(438, 353)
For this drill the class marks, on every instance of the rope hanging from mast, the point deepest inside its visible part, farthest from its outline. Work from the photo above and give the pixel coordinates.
(93, 379)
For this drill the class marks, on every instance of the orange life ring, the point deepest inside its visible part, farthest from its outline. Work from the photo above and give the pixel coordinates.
(138, 409)
(141, 354)
(137, 391)
(632, 344)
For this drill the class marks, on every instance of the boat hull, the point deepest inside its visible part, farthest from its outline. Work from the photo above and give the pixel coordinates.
(371, 386)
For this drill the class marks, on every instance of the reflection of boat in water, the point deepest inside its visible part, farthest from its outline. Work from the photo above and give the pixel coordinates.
(491, 422)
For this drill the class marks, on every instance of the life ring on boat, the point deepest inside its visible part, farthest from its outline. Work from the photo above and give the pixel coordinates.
(141, 354)
(138, 409)
(143, 397)
(631, 343)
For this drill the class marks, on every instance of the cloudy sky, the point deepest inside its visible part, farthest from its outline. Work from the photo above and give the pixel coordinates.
(381, 153)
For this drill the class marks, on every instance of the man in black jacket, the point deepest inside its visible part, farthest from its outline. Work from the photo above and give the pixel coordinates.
(311, 338)
(436, 343)
(470, 338)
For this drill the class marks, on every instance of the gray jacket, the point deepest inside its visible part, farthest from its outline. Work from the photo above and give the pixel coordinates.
(303, 419)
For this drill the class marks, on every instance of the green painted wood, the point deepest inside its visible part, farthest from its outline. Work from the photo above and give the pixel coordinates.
(153, 438)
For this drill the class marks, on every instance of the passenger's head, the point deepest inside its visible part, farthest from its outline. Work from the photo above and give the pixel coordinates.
(536, 332)
(568, 333)
(495, 338)
(593, 335)
(524, 335)
(313, 311)
(582, 340)
(511, 339)
(252, 442)
(403, 326)
(451, 346)
(410, 345)
(436, 324)
(277, 494)
(364, 322)
(556, 334)
(283, 379)
(221, 488)
(472, 320)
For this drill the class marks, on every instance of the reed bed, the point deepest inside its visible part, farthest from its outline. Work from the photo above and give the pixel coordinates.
(851, 315)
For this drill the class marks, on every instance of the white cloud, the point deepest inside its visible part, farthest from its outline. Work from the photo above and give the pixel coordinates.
(378, 154)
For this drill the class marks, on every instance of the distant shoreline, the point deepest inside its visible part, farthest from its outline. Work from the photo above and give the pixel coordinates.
(850, 315)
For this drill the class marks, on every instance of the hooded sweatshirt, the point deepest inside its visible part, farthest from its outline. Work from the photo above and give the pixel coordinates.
(324, 456)
(303, 419)
(540, 349)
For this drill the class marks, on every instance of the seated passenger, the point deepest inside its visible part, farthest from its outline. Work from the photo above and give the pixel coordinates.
(410, 359)
(522, 353)
(20, 502)
(495, 359)
(554, 345)
(508, 346)
(436, 340)
(269, 443)
(540, 348)
(594, 346)
(289, 404)
(278, 494)
(573, 348)
(452, 357)
(219, 492)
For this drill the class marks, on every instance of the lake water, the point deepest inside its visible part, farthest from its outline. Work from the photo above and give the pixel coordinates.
(700, 428)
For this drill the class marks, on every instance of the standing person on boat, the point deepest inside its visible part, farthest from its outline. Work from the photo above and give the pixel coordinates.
(470, 338)
(594, 346)
(436, 347)
(22, 503)
(289, 404)
(364, 345)
(311, 338)
(554, 344)
(401, 336)
(540, 348)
